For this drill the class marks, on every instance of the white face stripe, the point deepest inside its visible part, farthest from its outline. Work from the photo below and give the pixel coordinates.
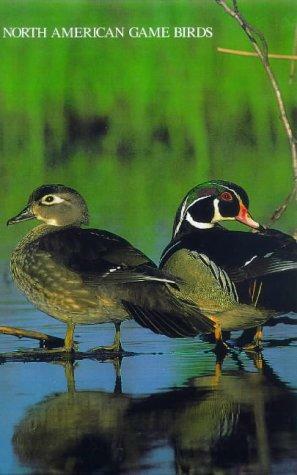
(197, 224)
(170, 249)
(184, 212)
(217, 215)
(181, 217)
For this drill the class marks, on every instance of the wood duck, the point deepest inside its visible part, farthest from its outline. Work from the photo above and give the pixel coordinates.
(89, 276)
(237, 279)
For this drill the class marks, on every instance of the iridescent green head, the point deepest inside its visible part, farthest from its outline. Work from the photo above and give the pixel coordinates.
(55, 205)
(212, 202)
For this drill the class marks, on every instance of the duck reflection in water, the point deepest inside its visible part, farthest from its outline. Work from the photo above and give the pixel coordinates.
(238, 418)
(77, 432)
(227, 420)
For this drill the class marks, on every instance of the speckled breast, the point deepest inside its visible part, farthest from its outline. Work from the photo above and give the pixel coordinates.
(58, 291)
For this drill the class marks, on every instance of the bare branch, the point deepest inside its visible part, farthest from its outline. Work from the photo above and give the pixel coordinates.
(249, 53)
(46, 340)
(38, 355)
(260, 46)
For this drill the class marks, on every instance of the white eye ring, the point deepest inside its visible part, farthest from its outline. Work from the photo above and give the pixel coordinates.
(49, 200)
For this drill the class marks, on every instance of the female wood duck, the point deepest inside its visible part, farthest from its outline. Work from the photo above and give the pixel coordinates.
(88, 276)
(227, 273)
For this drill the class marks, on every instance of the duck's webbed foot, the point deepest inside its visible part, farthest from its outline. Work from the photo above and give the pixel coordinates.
(108, 349)
(116, 348)
(69, 346)
(221, 348)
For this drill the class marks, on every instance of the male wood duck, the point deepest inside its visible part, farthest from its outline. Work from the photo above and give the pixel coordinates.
(228, 273)
(89, 276)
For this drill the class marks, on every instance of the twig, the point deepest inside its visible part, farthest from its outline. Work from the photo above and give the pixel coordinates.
(249, 53)
(260, 46)
(293, 68)
(47, 340)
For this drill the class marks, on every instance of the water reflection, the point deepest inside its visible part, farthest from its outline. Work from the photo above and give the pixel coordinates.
(236, 418)
(232, 418)
(77, 432)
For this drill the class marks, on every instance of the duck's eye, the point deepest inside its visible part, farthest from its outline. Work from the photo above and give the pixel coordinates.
(226, 196)
(51, 199)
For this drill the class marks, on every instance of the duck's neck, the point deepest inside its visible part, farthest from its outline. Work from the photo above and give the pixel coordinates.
(37, 232)
(188, 228)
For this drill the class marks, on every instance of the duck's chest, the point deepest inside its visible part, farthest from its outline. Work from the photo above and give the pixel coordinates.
(57, 289)
(25, 265)
(39, 276)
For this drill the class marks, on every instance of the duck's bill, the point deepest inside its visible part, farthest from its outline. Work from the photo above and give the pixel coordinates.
(244, 217)
(24, 215)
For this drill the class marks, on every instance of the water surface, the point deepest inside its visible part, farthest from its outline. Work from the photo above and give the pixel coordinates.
(172, 410)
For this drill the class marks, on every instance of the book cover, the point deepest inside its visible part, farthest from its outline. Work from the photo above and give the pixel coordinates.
(132, 104)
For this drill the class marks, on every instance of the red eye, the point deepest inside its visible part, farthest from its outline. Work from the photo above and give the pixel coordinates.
(226, 196)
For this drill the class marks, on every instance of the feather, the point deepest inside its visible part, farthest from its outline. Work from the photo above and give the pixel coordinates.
(169, 316)
(273, 263)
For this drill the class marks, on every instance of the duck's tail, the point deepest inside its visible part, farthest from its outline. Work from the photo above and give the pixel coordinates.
(164, 313)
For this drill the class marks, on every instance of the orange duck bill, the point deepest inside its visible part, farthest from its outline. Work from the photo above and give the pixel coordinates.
(244, 217)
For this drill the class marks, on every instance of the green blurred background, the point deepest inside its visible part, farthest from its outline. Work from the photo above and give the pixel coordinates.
(134, 123)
